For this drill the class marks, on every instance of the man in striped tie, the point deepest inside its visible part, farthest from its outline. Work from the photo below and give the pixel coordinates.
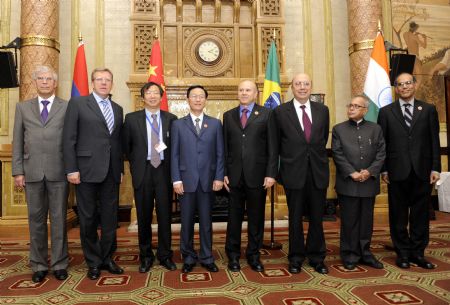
(411, 132)
(94, 163)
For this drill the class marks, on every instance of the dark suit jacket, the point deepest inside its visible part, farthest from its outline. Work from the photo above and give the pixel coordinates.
(357, 147)
(415, 148)
(251, 149)
(37, 147)
(135, 143)
(197, 158)
(88, 146)
(295, 151)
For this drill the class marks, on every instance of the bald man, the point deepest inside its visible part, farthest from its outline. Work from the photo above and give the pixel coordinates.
(251, 168)
(302, 135)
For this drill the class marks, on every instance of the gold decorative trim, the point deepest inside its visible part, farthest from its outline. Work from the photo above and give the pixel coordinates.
(360, 45)
(39, 40)
(100, 34)
(307, 38)
(386, 7)
(4, 93)
(329, 59)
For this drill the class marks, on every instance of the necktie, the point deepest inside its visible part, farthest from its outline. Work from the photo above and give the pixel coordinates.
(44, 113)
(155, 158)
(306, 124)
(407, 115)
(197, 125)
(107, 113)
(244, 117)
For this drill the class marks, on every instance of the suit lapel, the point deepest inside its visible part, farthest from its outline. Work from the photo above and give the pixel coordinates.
(315, 120)
(35, 109)
(165, 126)
(188, 122)
(236, 117)
(92, 103)
(397, 111)
(292, 115)
(205, 124)
(57, 106)
(142, 126)
(115, 109)
(416, 113)
(253, 115)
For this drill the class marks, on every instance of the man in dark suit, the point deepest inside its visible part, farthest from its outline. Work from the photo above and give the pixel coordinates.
(37, 166)
(302, 128)
(358, 152)
(146, 143)
(411, 132)
(197, 170)
(251, 168)
(94, 163)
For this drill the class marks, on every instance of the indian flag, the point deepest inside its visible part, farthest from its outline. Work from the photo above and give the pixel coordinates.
(377, 87)
(272, 88)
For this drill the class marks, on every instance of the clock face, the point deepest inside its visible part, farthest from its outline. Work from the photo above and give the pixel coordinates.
(209, 51)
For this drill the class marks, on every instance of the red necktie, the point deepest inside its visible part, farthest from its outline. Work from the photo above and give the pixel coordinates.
(306, 124)
(244, 117)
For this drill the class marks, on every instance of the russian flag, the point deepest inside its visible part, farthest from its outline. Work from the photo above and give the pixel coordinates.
(80, 77)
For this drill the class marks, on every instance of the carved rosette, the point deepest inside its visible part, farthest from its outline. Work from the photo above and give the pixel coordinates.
(223, 37)
(40, 46)
(363, 16)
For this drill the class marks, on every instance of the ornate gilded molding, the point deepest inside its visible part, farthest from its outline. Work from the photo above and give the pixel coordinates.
(307, 38)
(329, 58)
(386, 7)
(360, 45)
(40, 40)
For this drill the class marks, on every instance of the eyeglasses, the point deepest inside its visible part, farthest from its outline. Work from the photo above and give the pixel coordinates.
(304, 84)
(355, 106)
(405, 84)
(152, 92)
(200, 96)
(102, 79)
(41, 78)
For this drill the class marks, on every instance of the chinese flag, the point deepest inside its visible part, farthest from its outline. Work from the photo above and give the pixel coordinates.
(80, 77)
(156, 73)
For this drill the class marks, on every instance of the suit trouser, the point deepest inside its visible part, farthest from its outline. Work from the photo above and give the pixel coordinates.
(47, 198)
(94, 201)
(154, 187)
(189, 202)
(356, 227)
(408, 203)
(252, 200)
(314, 199)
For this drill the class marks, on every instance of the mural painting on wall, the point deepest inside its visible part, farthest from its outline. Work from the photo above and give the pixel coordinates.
(423, 27)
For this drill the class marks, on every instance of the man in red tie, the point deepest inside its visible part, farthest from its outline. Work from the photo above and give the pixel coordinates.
(250, 168)
(302, 134)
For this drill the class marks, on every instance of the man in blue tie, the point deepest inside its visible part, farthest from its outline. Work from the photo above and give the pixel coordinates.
(94, 164)
(37, 166)
(146, 143)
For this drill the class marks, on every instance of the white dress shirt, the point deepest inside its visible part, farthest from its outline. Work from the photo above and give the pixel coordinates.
(299, 111)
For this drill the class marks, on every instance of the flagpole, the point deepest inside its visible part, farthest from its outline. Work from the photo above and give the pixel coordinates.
(272, 244)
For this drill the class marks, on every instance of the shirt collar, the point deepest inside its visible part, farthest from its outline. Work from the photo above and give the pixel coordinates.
(193, 117)
(148, 113)
(249, 107)
(298, 104)
(99, 99)
(359, 123)
(50, 99)
(403, 102)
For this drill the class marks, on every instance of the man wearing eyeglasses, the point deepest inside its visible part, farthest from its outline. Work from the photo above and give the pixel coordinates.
(37, 166)
(94, 164)
(358, 153)
(411, 132)
(146, 143)
(197, 168)
(302, 135)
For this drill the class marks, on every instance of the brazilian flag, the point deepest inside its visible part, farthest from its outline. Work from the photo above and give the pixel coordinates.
(272, 88)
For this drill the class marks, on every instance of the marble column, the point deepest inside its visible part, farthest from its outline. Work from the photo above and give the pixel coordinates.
(39, 31)
(363, 16)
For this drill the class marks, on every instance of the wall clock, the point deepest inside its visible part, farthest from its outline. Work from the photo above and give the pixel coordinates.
(209, 51)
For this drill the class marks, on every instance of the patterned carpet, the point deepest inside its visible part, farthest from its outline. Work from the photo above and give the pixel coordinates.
(274, 286)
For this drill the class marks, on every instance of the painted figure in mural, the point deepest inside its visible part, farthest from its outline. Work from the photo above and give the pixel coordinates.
(414, 41)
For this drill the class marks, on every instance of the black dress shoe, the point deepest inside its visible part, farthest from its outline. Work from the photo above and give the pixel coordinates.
(295, 267)
(187, 268)
(319, 267)
(39, 276)
(402, 262)
(256, 265)
(421, 262)
(233, 265)
(60, 274)
(210, 267)
(112, 267)
(145, 265)
(373, 262)
(93, 273)
(349, 265)
(168, 264)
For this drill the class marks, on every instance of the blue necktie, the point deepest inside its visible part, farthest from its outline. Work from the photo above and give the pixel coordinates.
(44, 113)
